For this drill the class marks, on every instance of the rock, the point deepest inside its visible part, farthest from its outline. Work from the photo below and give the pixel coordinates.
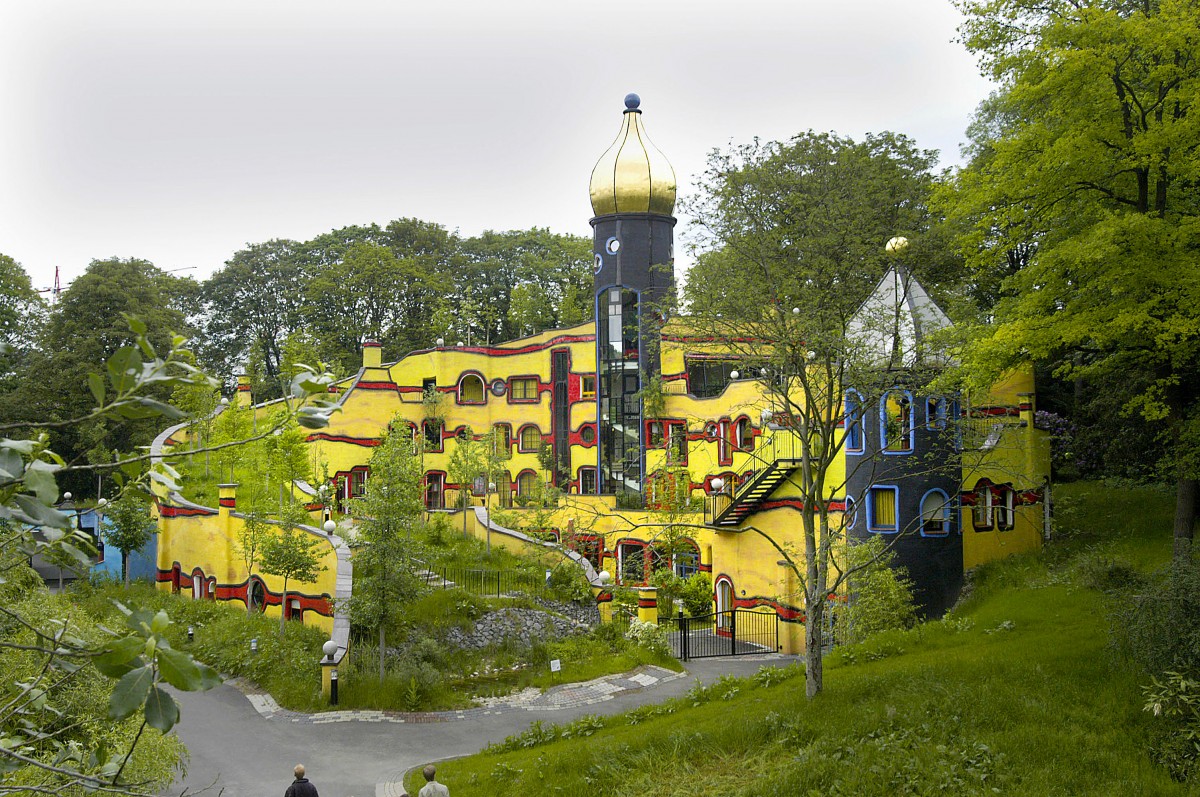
(520, 627)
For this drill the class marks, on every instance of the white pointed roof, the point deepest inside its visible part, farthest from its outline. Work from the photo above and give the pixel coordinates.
(893, 325)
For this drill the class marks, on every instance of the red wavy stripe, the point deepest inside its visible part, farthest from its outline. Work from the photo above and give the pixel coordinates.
(183, 511)
(368, 442)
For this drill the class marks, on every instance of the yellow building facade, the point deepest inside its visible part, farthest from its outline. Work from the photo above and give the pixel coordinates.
(697, 479)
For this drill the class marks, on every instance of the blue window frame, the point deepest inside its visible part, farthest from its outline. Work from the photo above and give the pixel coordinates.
(936, 408)
(883, 509)
(896, 427)
(936, 516)
(853, 422)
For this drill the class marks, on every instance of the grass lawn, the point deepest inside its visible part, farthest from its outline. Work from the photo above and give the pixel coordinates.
(1017, 693)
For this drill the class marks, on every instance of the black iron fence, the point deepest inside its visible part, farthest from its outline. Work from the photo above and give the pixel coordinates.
(736, 632)
(490, 583)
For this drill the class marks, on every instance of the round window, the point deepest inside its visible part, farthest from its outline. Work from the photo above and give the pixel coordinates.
(588, 435)
(612, 246)
(258, 596)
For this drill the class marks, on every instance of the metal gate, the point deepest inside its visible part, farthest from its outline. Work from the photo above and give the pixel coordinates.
(736, 632)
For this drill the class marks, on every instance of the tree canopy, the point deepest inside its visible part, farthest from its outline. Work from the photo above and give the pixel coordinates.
(1082, 190)
(793, 244)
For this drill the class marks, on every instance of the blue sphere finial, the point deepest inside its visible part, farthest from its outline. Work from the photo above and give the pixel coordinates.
(632, 101)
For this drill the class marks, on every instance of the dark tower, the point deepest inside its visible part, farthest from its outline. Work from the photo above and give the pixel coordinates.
(633, 196)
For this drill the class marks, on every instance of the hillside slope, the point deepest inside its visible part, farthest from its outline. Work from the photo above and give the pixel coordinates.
(1017, 693)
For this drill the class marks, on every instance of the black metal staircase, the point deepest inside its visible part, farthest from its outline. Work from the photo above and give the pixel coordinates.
(750, 494)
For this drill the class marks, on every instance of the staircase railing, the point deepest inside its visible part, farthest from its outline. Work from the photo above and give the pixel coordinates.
(782, 446)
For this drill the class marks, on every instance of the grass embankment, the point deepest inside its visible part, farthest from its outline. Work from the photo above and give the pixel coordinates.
(423, 673)
(1017, 693)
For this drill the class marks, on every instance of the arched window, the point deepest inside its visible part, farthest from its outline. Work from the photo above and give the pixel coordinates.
(686, 559)
(631, 562)
(724, 592)
(745, 435)
(435, 490)
(504, 488)
(850, 514)
(935, 514)
(982, 513)
(256, 594)
(936, 408)
(526, 484)
(587, 481)
(1004, 508)
(853, 422)
(530, 439)
(470, 390)
(896, 422)
(502, 440)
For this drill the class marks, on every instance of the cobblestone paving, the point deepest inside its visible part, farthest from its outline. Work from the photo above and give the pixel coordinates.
(553, 699)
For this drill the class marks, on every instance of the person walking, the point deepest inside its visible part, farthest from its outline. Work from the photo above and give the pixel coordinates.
(432, 788)
(300, 786)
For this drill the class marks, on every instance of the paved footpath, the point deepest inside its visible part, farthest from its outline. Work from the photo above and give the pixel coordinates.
(242, 743)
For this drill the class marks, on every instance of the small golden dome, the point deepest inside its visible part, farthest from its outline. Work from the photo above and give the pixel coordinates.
(633, 176)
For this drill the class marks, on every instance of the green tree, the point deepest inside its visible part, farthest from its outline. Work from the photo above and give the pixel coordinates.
(469, 460)
(370, 294)
(1084, 164)
(50, 739)
(555, 268)
(293, 555)
(880, 594)
(286, 458)
(129, 527)
(87, 327)
(250, 542)
(250, 306)
(386, 549)
(22, 317)
(792, 244)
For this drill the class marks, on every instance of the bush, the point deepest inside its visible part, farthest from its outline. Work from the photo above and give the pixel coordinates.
(648, 636)
(695, 591)
(881, 596)
(1158, 625)
(1175, 700)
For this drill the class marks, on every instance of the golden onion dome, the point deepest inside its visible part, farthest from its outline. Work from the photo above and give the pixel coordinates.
(633, 176)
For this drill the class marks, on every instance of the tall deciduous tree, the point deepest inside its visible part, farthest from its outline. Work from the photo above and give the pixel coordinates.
(253, 303)
(87, 327)
(386, 548)
(293, 555)
(1084, 167)
(792, 243)
(129, 528)
(22, 316)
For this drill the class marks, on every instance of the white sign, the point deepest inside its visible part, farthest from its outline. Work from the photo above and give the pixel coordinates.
(555, 665)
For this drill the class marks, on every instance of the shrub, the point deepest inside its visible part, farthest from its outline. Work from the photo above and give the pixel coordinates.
(695, 591)
(1175, 700)
(648, 635)
(881, 596)
(1158, 625)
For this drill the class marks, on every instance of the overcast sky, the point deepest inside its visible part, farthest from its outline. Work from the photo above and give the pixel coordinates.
(178, 132)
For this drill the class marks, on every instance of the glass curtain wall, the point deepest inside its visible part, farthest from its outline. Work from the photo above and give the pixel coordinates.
(620, 405)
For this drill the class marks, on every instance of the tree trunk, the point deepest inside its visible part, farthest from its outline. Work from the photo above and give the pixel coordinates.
(814, 673)
(125, 567)
(283, 607)
(382, 653)
(1185, 518)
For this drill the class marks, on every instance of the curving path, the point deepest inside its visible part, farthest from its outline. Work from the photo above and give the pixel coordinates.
(241, 744)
